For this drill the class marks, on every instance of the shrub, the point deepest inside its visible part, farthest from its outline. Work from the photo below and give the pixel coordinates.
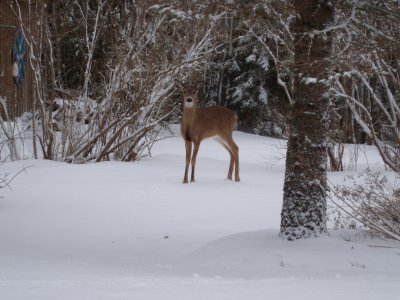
(371, 200)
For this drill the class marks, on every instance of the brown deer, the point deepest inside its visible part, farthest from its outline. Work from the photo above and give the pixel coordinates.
(200, 123)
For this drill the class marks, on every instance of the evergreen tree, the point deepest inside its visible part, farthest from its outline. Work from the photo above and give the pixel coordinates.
(304, 200)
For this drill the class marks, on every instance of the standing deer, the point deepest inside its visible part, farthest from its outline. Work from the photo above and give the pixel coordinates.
(201, 123)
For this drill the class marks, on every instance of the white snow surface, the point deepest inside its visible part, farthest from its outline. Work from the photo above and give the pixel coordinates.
(117, 230)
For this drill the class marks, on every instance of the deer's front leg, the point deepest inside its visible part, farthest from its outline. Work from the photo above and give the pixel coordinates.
(194, 156)
(188, 146)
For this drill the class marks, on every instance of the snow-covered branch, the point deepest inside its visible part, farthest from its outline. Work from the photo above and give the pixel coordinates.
(363, 115)
(276, 59)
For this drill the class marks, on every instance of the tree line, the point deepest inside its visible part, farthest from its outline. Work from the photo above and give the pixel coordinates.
(320, 73)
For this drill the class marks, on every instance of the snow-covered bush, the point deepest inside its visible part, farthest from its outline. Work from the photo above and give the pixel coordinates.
(271, 123)
(12, 136)
(107, 94)
(369, 200)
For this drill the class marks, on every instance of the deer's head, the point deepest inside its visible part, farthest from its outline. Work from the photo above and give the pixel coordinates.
(189, 93)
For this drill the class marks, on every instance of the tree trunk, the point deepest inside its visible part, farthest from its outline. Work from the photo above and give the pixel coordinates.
(304, 199)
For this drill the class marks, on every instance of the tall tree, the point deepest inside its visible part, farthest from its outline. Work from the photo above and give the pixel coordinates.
(304, 199)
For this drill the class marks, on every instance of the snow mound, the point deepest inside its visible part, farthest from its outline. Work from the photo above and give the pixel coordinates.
(263, 254)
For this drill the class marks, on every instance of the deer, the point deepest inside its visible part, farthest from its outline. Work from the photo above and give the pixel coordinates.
(198, 124)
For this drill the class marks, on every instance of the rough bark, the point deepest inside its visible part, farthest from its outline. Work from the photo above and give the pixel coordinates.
(304, 200)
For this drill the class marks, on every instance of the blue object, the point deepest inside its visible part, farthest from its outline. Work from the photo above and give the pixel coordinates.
(19, 56)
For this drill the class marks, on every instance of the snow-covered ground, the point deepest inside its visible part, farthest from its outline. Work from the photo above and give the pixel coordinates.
(117, 230)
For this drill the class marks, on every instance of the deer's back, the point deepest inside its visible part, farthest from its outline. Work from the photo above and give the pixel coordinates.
(215, 120)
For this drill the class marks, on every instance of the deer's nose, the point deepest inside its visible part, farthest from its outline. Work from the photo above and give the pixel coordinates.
(189, 100)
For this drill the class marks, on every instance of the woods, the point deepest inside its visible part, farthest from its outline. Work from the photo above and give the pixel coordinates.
(96, 62)
(103, 81)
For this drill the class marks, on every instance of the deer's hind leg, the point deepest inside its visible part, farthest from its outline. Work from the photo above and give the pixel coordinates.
(232, 161)
(235, 151)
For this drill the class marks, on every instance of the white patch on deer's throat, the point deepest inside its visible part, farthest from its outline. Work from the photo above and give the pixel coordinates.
(189, 104)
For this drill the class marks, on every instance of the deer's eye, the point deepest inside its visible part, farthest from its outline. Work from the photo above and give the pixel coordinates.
(189, 100)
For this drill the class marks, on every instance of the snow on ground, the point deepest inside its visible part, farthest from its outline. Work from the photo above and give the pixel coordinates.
(116, 230)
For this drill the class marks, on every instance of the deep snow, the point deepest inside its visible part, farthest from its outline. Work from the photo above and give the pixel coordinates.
(116, 230)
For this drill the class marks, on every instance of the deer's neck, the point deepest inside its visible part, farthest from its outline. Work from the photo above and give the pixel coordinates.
(188, 123)
(189, 116)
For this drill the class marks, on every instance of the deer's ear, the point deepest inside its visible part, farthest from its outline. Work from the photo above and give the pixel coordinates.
(198, 86)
